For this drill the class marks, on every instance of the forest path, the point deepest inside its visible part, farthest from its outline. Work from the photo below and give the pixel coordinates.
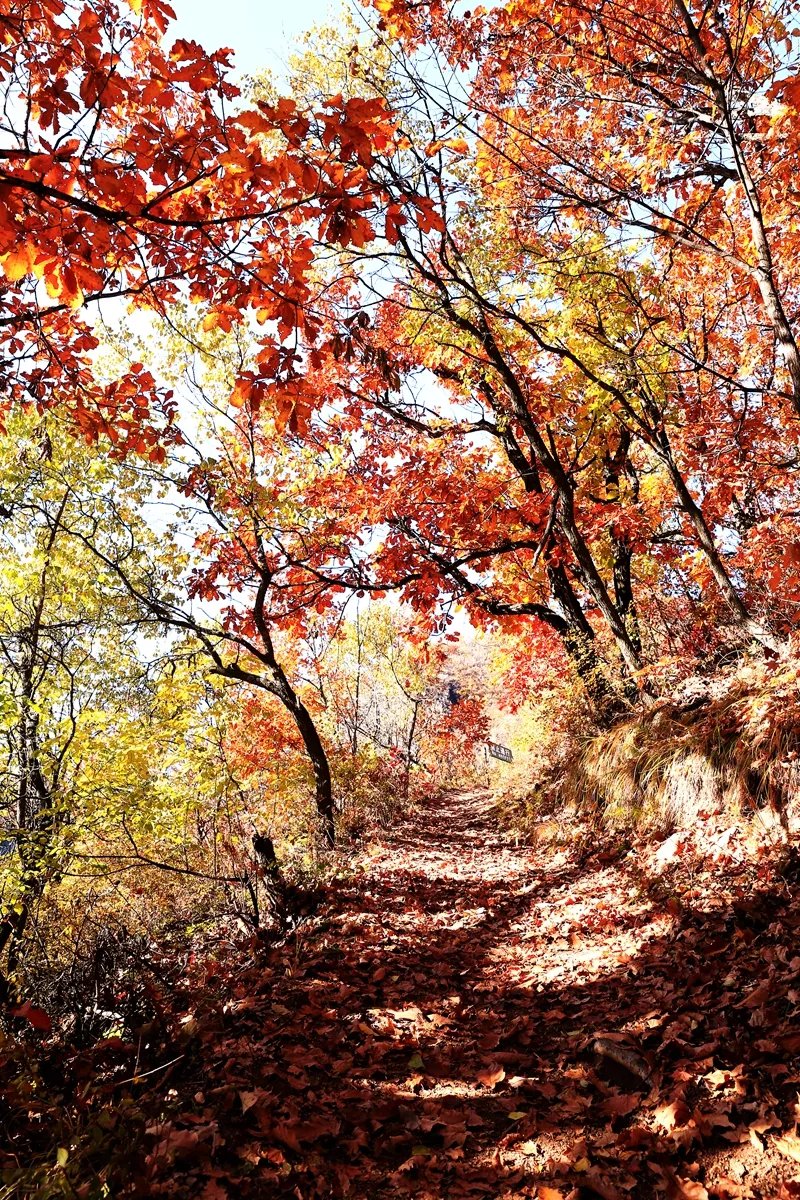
(433, 1032)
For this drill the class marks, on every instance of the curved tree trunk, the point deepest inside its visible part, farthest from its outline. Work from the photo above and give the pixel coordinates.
(321, 767)
(280, 686)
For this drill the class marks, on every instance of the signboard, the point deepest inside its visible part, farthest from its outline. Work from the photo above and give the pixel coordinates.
(501, 752)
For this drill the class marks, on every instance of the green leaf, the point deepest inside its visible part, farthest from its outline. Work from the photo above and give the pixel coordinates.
(416, 1062)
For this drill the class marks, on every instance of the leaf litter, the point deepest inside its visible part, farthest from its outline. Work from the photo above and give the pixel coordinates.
(467, 1017)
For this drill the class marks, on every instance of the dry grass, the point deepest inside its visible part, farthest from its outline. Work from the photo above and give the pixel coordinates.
(733, 747)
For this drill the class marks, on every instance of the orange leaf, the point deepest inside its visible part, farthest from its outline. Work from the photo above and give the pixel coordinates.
(491, 1076)
(670, 1115)
(18, 263)
(241, 393)
(395, 218)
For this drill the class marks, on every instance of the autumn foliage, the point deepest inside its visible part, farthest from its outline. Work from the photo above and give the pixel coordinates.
(445, 390)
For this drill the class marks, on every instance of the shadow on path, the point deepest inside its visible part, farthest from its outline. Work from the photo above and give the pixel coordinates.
(472, 1018)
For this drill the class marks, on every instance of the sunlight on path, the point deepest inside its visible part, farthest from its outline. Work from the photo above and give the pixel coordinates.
(473, 1018)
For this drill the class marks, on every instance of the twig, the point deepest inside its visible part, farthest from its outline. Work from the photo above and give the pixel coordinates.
(152, 1071)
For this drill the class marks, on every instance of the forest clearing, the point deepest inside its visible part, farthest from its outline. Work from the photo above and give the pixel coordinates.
(399, 599)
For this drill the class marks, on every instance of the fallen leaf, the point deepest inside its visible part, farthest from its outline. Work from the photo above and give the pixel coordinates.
(491, 1076)
(248, 1099)
(690, 1189)
(36, 1017)
(757, 997)
(404, 1014)
(670, 1115)
(619, 1105)
(789, 1145)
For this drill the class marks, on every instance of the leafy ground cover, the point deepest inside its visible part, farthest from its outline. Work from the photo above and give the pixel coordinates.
(465, 1017)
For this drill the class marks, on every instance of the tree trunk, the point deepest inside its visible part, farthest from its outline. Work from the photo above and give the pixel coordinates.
(621, 552)
(579, 642)
(621, 556)
(271, 878)
(594, 581)
(410, 748)
(565, 508)
(280, 686)
(320, 766)
(608, 704)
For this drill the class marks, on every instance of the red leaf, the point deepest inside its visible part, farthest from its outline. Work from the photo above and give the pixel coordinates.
(36, 1017)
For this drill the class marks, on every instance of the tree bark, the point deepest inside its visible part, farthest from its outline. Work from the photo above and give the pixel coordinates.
(410, 747)
(579, 642)
(271, 877)
(621, 551)
(319, 764)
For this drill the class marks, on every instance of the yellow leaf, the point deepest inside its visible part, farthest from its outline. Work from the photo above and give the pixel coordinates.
(62, 285)
(18, 263)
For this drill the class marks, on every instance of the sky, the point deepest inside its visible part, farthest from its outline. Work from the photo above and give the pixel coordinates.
(260, 33)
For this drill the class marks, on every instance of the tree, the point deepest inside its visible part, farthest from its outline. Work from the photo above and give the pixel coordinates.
(256, 513)
(587, 362)
(68, 652)
(674, 124)
(664, 136)
(130, 169)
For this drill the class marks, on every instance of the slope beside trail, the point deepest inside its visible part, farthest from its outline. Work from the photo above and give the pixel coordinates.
(468, 1017)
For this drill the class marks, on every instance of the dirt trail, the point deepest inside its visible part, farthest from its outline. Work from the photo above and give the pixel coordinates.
(433, 1032)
